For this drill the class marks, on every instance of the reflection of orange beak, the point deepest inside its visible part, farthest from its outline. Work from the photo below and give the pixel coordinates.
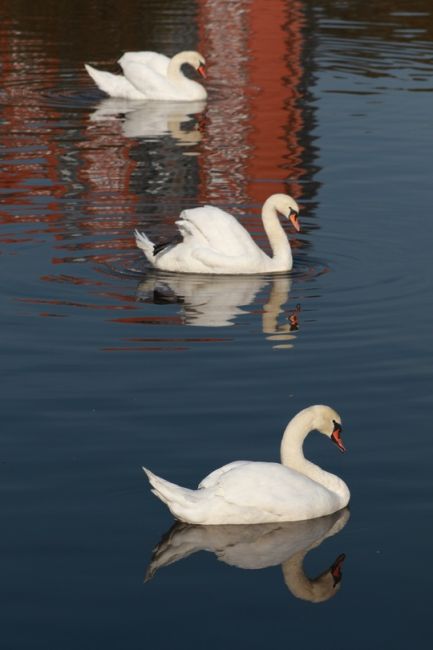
(336, 437)
(335, 569)
(294, 221)
(201, 70)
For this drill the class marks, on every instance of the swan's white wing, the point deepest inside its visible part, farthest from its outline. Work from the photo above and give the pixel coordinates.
(217, 229)
(152, 60)
(115, 85)
(212, 479)
(147, 71)
(149, 82)
(272, 488)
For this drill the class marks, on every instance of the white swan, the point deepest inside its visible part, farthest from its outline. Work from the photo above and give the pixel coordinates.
(260, 546)
(245, 492)
(149, 75)
(215, 242)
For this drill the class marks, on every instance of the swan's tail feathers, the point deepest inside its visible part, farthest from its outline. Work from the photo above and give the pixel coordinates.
(146, 246)
(104, 80)
(183, 503)
(115, 85)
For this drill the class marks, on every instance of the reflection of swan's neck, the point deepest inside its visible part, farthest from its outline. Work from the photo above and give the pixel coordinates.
(278, 295)
(301, 586)
(279, 332)
(281, 253)
(292, 455)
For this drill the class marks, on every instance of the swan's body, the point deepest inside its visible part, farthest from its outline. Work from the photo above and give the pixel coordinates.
(215, 242)
(245, 492)
(258, 547)
(149, 75)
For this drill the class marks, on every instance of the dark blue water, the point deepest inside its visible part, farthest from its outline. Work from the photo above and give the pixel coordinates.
(107, 366)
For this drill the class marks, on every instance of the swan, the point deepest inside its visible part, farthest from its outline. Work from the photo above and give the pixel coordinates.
(246, 492)
(215, 242)
(260, 546)
(149, 75)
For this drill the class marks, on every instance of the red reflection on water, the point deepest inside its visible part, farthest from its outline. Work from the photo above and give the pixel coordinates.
(73, 177)
(187, 339)
(253, 136)
(276, 43)
(30, 166)
(51, 155)
(150, 320)
(72, 279)
(73, 303)
(141, 348)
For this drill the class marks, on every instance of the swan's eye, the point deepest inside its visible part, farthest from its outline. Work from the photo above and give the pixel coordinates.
(337, 427)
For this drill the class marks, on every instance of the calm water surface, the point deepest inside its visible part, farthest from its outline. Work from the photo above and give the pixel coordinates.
(108, 365)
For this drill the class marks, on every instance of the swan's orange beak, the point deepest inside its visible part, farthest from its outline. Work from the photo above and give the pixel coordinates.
(201, 70)
(336, 437)
(293, 217)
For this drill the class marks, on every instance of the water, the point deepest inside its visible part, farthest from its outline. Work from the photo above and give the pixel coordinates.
(107, 366)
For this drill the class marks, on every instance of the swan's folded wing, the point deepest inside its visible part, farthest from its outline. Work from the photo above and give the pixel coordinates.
(152, 60)
(221, 231)
(146, 80)
(275, 489)
(212, 479)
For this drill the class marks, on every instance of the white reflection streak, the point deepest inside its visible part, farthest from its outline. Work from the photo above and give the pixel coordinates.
(226, 149)
(153, 119)
(260, 546)
(212, 301)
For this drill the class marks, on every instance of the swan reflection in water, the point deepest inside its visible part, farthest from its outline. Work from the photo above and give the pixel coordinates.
(153, 119)
(259, 546)
(217, 301)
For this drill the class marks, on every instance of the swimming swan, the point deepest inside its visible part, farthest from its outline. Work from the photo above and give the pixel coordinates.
(246, 492)
(149, 75)
(215, 242)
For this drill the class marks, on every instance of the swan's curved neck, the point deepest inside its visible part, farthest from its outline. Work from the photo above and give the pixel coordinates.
(281, 252)
(174, 71)
(292, 455)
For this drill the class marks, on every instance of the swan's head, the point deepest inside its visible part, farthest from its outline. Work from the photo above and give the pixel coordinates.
(287, 206)
(195, 59)
(328, 422)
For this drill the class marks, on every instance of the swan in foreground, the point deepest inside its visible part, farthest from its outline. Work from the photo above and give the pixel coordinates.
(246, 492)
(260, 546)
(149, 75)
(215, 242)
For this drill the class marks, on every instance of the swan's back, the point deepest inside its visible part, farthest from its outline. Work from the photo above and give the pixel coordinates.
(151, 60)
(212, 479)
